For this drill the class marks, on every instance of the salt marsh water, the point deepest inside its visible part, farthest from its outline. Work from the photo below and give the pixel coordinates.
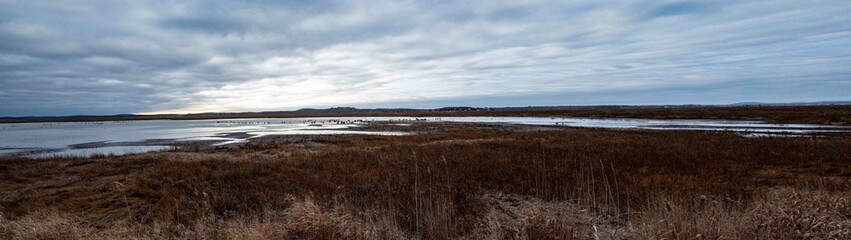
(124, 137)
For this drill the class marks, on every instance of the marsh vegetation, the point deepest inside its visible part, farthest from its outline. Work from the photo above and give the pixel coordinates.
(455, 180)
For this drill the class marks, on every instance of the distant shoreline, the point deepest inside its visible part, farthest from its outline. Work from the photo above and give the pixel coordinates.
(839, 114)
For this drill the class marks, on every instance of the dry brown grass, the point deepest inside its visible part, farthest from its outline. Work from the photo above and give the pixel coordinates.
(304, 220)
(783, 213)
(482, 183)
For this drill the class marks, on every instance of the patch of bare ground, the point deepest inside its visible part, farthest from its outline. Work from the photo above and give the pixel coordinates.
(457, 183)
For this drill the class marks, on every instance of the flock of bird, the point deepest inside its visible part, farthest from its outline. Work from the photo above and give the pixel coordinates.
(319, 122)
(309, 122)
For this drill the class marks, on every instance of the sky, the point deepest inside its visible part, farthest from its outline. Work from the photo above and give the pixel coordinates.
(73, 57)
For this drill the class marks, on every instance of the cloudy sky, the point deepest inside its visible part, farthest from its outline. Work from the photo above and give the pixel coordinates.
(109, 57)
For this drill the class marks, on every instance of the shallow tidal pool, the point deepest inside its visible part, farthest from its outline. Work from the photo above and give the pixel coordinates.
(125, 137)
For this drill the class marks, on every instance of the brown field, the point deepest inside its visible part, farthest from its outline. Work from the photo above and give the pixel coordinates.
(460, 181)
(829, 115)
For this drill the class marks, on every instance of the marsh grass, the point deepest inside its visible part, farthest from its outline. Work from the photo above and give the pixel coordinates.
(487, 183)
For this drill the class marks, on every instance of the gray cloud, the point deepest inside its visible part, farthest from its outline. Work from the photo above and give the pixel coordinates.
(66, 57)
(678, 8)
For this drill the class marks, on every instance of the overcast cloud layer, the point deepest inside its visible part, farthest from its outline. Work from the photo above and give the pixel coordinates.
(77, 57)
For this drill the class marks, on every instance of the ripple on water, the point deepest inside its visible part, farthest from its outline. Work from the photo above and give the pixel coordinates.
(125, 137)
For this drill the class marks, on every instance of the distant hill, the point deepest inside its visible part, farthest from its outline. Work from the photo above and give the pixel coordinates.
(343, 111)
(823, 103)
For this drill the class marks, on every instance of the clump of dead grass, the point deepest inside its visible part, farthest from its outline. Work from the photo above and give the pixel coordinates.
(44, 225)
(795, 214)
(516, 217)
(482, 183)
(784, 213)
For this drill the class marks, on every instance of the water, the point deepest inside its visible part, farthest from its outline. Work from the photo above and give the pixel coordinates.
(84, 152)
(123, 137)
(748, 128)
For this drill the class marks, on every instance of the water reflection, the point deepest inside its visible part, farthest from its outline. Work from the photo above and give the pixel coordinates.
(122, 137)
